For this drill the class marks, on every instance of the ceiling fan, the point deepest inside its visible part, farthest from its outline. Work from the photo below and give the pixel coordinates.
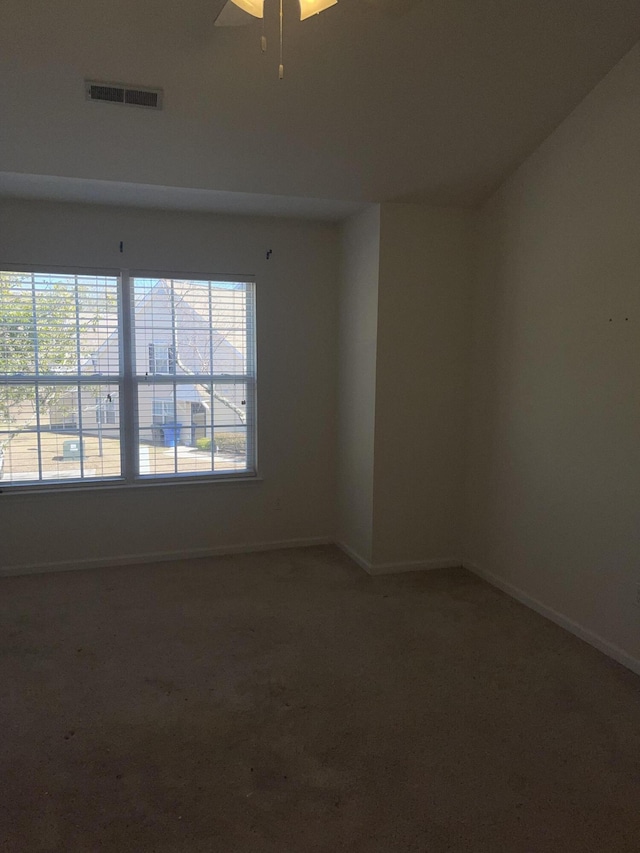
(241, 13)
(238, 13)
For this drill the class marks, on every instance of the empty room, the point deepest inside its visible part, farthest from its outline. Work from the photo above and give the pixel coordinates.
(319, 426)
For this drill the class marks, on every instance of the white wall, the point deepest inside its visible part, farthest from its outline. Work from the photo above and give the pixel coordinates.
(296, 309)
(423, 342)
(357, 380)
(554, 476)
(404, 318)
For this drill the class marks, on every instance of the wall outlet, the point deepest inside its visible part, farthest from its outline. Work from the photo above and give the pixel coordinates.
(637, 597)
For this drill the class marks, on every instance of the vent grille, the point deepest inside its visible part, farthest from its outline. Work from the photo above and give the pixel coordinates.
(121, 93)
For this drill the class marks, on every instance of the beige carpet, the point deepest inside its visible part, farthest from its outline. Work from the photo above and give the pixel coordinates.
(288, 702)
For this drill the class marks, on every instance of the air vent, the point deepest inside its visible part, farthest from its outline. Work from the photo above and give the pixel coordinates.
(121, 93)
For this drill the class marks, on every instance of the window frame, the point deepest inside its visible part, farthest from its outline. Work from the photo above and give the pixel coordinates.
(168, 414)
(169, 359)
(127, 382)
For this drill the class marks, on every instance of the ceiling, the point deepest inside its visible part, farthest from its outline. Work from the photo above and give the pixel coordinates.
(436, 105)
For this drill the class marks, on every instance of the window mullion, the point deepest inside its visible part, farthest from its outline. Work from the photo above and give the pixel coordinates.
(39, 431)
(36, 389)
(174, 335)
(79, 371)
(250, 368)
(128, 411)
(175, 427)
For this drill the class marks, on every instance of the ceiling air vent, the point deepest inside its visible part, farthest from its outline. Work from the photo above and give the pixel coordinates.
(121, 93)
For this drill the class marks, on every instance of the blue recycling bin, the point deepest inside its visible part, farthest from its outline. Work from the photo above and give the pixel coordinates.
(171, 434)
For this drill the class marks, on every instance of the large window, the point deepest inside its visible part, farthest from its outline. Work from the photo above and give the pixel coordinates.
(108, 377)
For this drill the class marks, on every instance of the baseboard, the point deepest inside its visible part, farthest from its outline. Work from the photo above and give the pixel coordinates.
(364, 564)
(194, 553)
(160, 556)
(595, 640)
(397, 568)
(414, 566)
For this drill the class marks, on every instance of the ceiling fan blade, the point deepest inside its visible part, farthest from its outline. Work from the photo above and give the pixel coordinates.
(233, 16)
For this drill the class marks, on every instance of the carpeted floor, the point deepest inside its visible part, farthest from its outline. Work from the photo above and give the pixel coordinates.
(286, 701)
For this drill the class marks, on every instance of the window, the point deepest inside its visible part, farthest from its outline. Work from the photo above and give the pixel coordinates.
(115, 378)
(162, 358)
(106, 409)
(163, 412)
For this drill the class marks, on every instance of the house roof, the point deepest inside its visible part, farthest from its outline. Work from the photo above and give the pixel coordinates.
(436, 101)
(229, 325)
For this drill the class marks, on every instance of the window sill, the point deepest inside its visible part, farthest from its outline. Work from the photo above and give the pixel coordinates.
(121, 485)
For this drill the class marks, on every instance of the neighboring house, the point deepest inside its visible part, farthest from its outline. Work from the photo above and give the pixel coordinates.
(172, 338)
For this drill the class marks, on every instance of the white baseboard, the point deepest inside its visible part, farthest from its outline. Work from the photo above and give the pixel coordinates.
(414, 566)
(160, 556)
(354, 555)
(194, 553)
(565, 622)
(396, 568)
(595, 640)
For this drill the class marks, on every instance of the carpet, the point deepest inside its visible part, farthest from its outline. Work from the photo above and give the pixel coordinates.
(286, 701)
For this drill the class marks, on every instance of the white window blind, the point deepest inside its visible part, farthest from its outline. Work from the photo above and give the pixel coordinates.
(59, 363)
(79, 403)
(197, 401)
